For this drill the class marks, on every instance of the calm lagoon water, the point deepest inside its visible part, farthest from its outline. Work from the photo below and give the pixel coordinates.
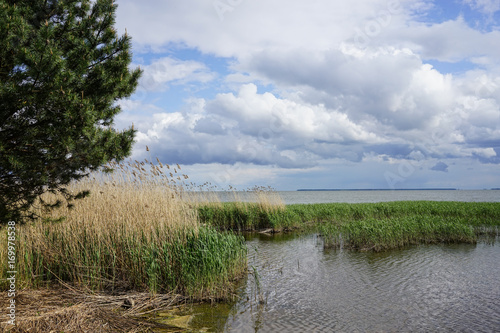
(309, 197)
(293, 197)
(303, 288)
(295, 285)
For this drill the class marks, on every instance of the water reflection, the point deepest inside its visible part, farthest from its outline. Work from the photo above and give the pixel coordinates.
(300, 286)
(296, 285)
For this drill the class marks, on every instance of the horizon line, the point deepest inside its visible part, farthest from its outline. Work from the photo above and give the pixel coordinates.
(381, 189)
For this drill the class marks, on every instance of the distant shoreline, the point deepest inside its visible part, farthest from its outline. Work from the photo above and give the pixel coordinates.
(381, 189)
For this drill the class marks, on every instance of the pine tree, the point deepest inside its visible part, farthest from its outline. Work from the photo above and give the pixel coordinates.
(63, 67)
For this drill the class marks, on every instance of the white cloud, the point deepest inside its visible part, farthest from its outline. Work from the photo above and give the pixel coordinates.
(449, 41)
(345, 82)
(483, 152)
(251, 25)
(250, 127)
(428, 95)
(486, 6)
(254, 26)
(164, 71)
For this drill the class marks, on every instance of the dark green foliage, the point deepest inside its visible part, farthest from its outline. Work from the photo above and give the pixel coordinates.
(62, 69)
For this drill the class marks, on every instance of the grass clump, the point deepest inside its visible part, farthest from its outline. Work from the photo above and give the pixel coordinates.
(263, 210)
(389, 225)
(242, 216)
(389, 233)
(135, 231)
(365, 226)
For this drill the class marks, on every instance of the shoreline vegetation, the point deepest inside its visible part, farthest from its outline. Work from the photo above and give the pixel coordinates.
(137, 232)
(365, 226)
(145, 231)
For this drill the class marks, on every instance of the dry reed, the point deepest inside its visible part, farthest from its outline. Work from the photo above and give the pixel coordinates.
(69, 310)
(135, 231)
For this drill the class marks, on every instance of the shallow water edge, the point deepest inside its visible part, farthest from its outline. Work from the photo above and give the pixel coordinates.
(296, 285)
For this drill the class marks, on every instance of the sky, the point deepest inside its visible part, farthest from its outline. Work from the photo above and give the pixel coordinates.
(319, 93)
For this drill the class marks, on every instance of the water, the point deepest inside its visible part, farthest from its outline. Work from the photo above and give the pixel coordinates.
(296, 285)
(308, 197)
(295, 197)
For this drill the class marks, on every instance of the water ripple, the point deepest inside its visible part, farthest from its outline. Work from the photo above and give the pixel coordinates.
(299, 286)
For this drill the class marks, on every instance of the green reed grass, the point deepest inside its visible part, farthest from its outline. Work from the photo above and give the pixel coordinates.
(383, 234)
(367, 226)
(135, 231)
(489, 212)
(266, 210)
(244, 216)
(388, 225)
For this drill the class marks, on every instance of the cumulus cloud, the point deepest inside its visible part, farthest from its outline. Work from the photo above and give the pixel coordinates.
(252, 128)
(264, 129)
(164, 71)
(393, 94)
(386, 86)
(248, 26)
(450, 41)
(350, 82)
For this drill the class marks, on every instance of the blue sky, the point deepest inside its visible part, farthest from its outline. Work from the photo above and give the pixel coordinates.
(318, 94)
